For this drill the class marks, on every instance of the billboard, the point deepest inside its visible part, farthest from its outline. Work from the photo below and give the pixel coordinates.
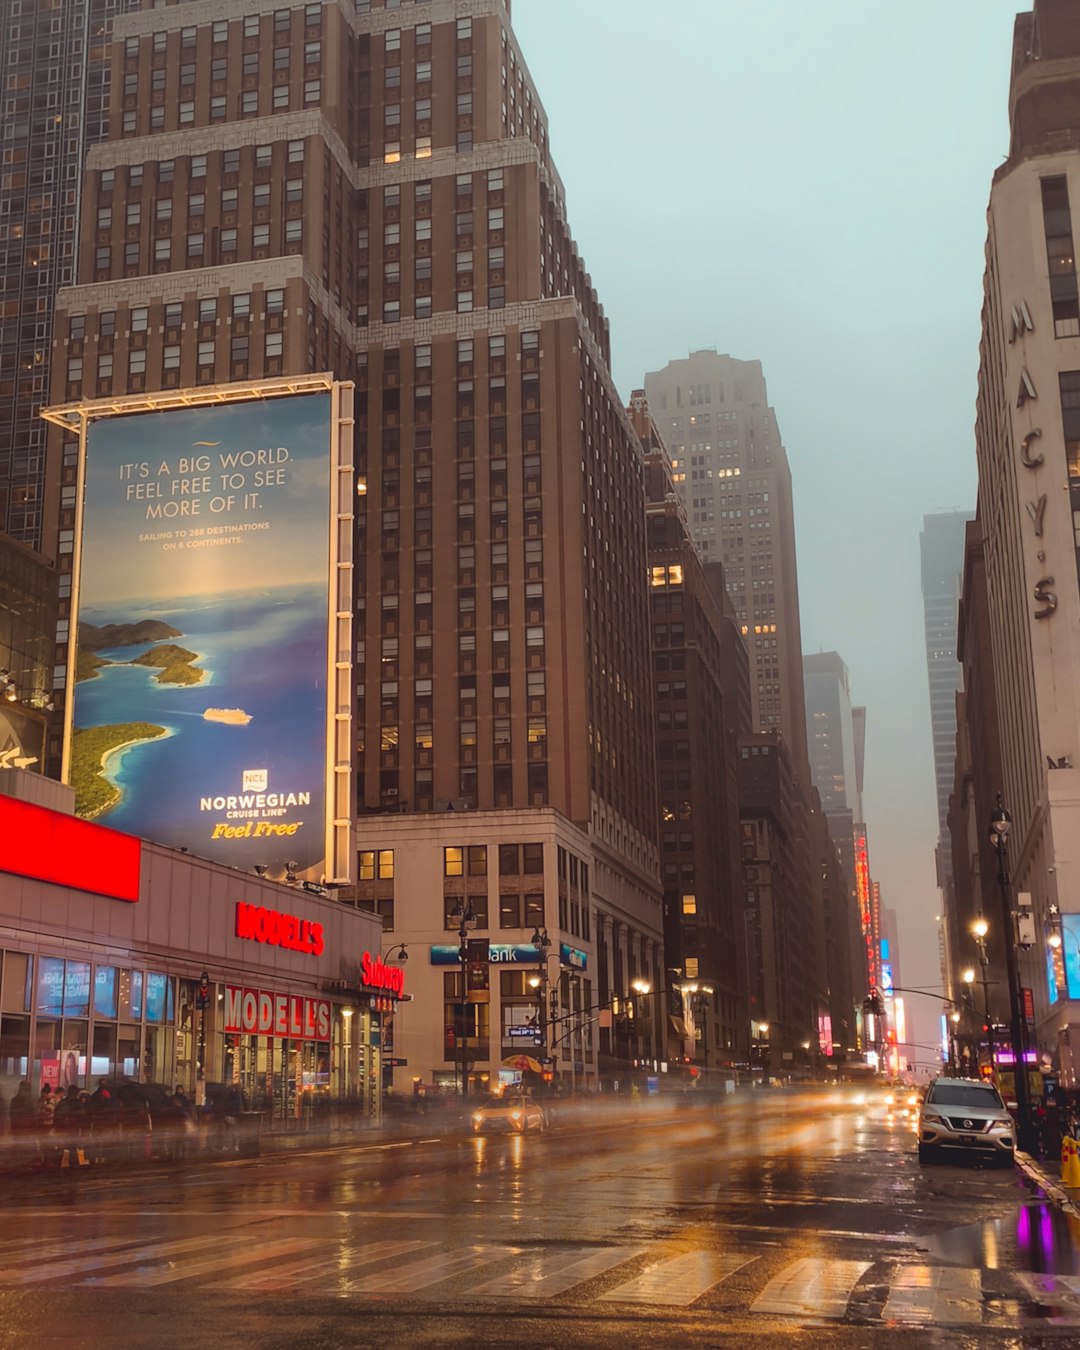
(211, 671)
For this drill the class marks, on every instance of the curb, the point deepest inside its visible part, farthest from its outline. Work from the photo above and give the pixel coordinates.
(1053, 1188)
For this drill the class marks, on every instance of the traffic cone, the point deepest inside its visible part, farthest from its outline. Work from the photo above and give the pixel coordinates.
(1070, 1169)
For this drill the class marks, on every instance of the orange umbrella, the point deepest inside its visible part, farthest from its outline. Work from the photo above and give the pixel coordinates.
(522, 1062)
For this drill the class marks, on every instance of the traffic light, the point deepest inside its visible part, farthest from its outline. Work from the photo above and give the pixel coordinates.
(873, 1004)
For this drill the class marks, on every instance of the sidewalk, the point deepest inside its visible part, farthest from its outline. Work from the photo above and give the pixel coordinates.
(1046, 1174)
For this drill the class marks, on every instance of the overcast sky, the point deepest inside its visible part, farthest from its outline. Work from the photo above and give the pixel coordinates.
(806, 184)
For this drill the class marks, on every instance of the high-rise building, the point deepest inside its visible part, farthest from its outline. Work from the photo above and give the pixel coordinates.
(368, 190)
(941, 548)
(56, 102)
(731, 472)
(836, 734)
(702, 708)
(1027, 434)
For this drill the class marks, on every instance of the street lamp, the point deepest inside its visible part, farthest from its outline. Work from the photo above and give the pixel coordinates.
(542, 943)
(761, 1043)
(980, 928)
(1000, 824)
(463, 911)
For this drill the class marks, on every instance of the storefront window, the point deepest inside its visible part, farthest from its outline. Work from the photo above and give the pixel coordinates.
(158, 997)
(73, 1063)
(105, 992)
(16, 994)
(50, 986)
(14, 1052)
(131, 993)
(77, 989)
(103, 1062)
(128, 1053)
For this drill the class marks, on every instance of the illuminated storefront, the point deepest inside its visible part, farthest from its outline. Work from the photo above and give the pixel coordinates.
(123, 959)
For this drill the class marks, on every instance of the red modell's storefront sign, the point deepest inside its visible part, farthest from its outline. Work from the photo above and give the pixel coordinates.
(254, 1012)
(278, 930)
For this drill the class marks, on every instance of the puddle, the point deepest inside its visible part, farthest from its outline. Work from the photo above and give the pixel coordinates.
(1037, 1237)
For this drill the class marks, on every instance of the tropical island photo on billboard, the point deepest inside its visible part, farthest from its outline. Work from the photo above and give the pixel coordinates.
(174, 663)
(91, 748)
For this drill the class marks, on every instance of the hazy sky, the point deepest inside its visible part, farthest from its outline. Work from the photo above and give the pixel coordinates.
(806, 184)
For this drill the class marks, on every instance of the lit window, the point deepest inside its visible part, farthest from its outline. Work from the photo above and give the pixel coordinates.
(453, 862)
(689, 904)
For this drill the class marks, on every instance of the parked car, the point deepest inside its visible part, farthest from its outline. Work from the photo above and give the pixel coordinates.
(513, 1111)
(965, 1114)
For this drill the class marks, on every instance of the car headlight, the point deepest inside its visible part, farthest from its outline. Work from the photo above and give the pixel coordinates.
(1002, 1121)
(477, 1121)
(931, 1118)
(515, 1116)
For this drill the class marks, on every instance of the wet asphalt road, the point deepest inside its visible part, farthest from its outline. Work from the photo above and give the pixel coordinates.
(776, 1218)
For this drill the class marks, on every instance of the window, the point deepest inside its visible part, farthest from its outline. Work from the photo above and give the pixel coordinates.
(139, 320)
(689, 904)
(453, 862)
(206, 353)
(275, 302)
(241, 305)
(170, 358)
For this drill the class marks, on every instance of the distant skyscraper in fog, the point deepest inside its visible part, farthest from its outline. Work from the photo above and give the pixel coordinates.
(731, 471)
(941, 545)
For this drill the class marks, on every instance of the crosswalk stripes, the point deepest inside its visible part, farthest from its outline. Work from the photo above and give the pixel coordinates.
(1058, 1292)
(288, 1276)
(149, 1277)
(548, 1274)
(678, 1281)
(420, 1275)
(648, 1275)
(812, 1287)
(935, 1296)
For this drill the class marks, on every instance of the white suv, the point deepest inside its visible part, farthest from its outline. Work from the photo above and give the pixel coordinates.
(964, 1113)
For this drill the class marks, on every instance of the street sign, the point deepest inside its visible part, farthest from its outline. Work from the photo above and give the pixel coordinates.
(522, 1031)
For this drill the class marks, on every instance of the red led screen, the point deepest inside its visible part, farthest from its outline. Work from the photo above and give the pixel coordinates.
(68, 852)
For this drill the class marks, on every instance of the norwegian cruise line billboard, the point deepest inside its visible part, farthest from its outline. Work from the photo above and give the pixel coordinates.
(209, 672)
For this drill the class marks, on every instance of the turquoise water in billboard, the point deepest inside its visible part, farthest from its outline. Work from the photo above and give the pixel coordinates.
(264, 653)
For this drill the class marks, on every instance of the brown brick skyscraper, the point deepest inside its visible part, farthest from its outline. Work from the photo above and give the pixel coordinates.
(368, 190)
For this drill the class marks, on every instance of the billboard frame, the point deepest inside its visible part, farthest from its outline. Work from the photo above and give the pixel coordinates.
(75, 418)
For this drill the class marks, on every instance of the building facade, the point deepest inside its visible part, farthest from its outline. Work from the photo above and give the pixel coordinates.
(56, 105)
(1028, 447)
(700, 714)
(369, 191)
(128, 961)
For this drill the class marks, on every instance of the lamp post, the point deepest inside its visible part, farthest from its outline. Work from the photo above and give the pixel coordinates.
(761, 1042)
(980, 928)
(542, 943)
(463, 911)
(1000, 824)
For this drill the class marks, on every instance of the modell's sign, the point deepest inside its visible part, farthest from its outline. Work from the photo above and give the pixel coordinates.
(259, 924)
(375, 974)
(254, 1012)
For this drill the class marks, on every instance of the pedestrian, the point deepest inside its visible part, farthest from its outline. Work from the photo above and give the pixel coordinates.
(23, 1125)
(46, 1110)
(103, 1123)
(67, 1128)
